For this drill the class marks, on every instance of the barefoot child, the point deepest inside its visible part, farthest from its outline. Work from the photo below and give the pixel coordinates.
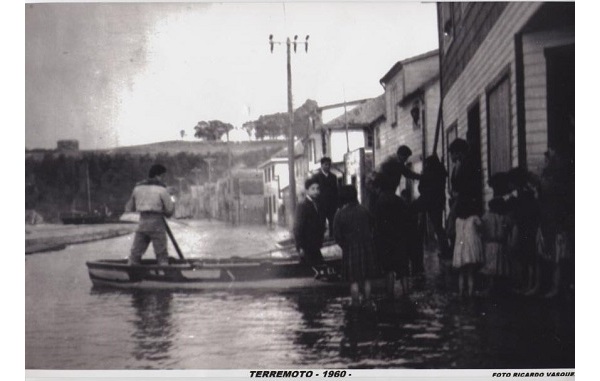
(353, 231)
(494, 233)
(468, 250)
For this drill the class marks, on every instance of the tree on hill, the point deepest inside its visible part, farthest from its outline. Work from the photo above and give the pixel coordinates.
(271, 126)
(274, 126)
(211, 130)
(306, 116)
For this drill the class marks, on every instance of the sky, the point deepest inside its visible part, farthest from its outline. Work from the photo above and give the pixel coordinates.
(120, 74)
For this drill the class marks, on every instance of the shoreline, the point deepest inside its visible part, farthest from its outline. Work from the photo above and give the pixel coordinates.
(51, 237)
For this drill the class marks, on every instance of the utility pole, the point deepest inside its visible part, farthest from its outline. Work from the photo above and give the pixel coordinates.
(291, 156)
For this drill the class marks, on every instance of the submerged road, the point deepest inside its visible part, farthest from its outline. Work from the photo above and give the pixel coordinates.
(70, 325)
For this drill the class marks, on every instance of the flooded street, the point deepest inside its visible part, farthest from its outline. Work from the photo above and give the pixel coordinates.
(70, 325)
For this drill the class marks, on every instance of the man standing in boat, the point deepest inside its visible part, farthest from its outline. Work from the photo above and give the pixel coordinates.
(153, 202)
(309, 225)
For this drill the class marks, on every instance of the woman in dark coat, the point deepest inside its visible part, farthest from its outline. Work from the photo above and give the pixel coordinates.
(353, 231)
(432, 201)
(391, 227)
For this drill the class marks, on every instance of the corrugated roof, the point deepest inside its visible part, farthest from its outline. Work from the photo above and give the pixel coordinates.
(361, 116)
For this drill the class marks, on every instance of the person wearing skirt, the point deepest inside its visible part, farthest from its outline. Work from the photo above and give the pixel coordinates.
(468, 249)
(494, 235)
(353, 232)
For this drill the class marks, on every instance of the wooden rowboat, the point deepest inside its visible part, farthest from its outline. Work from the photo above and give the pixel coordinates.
(276, 271)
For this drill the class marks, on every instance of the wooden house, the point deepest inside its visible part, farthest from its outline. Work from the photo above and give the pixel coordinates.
(508, 81)
(412, 101)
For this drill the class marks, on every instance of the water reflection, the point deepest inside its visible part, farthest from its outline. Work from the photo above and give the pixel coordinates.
(360, 333)
(315, 328)
(153, 334)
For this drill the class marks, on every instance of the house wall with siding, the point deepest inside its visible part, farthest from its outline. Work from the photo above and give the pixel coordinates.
(495, 57)
(417, 71)
(405, 133)
(536, 117)
(480, 18)
(407, 80)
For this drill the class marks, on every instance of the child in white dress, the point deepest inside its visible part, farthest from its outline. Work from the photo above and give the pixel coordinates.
(468, 249)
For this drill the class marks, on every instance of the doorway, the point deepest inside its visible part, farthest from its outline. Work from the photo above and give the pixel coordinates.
(560, 82)
(474, 141)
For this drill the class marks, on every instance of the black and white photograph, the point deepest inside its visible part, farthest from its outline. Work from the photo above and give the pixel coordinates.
(299, 189)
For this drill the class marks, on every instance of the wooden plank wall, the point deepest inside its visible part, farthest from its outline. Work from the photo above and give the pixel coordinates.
(495, 56)
(536, 117)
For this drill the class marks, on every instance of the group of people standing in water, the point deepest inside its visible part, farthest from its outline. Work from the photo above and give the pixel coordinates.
(523, 242)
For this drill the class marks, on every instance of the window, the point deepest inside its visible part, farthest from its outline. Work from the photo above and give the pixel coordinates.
(447, 23)
(415, 113)
(324, 143)
(499, 134)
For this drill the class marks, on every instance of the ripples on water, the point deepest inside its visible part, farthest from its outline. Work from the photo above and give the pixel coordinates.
(69, 325)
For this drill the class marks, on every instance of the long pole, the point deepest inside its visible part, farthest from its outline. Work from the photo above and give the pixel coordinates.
(173, 240)
(291, 158)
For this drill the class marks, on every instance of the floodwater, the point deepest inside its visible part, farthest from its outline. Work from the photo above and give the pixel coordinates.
(70, 325)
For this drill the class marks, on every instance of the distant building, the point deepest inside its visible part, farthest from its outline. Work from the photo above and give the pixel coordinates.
(240, 197)
(352, 137)
(412, 100)
(275, 179)
(276, 184)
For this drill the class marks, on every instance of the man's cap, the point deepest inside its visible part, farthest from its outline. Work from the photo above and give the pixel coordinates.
(156, 170)
(310, 181)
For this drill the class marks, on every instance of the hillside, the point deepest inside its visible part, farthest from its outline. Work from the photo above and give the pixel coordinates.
(58, 180)
(205, 148)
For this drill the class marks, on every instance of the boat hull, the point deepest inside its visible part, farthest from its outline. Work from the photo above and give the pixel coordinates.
(200, 275)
